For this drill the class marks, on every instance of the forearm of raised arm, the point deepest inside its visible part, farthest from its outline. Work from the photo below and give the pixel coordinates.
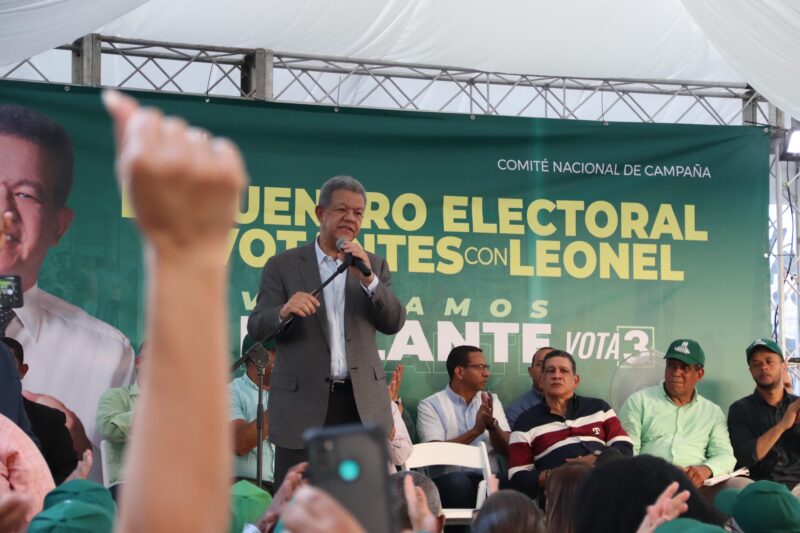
(175, 308)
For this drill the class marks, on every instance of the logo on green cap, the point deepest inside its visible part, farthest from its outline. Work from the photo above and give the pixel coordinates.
(683, 348)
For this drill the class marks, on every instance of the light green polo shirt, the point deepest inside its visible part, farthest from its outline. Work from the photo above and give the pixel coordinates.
(692, 434)
(114, 417)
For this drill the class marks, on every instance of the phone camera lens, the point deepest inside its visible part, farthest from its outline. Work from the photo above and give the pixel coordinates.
(349, 470)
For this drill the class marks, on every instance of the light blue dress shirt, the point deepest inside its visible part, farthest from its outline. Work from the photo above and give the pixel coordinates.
(334, 305)
(446, 415)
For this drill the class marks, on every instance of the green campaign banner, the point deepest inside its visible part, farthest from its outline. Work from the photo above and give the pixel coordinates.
(603, 239)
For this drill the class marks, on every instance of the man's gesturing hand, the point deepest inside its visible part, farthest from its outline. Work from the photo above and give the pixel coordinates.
(791, 416)
(184, 185)
(301, 304)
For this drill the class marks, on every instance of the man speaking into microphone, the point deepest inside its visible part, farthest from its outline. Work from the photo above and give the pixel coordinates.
(328, 371)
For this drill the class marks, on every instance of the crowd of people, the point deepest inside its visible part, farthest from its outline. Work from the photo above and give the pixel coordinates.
(181, 440)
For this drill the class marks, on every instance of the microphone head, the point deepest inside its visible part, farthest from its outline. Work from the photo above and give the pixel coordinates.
(258, 355)
(340, 242)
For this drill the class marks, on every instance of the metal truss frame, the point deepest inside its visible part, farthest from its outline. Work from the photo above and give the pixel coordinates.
(783, 249)
(269, 75)
(286, 77)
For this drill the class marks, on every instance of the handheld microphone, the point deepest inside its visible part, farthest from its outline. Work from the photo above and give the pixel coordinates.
(350, 260)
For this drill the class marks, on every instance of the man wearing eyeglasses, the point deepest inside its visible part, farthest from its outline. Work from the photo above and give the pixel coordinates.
(464, 414)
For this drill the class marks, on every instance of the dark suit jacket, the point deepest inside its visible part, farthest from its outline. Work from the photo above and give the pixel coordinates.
(50, 427)
(11, 393)
(299, 390)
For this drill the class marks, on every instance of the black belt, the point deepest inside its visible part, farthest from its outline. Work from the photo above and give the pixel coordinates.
(340, 385)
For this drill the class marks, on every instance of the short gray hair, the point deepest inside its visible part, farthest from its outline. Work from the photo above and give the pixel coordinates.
(422, 481)
(347, 183)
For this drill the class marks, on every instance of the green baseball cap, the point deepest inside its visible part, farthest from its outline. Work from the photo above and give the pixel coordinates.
(763, 506)
(769, 344)
(687, 525)
(248, 503)
(248, 343)
(72, 516)
(686, 350)
(83, 490)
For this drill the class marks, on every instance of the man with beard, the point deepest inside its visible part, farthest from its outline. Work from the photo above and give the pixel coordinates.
(764, 426)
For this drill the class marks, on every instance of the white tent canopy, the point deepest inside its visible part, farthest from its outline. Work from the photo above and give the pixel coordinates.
(752, 41)
(587, 38)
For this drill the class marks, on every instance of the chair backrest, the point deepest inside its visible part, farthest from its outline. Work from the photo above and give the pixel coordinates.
(104, 453)
(453, 454)
(450, 454)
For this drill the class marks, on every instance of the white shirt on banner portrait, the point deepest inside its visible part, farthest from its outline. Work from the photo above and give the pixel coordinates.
(72, 356)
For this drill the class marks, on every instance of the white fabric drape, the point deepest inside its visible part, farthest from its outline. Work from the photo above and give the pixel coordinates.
(761, 40)
(591, 38)
(28, 27)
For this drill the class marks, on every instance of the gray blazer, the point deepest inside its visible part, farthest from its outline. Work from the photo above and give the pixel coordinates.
(299, 390)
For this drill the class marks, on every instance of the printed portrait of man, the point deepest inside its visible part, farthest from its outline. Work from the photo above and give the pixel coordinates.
(72, 356)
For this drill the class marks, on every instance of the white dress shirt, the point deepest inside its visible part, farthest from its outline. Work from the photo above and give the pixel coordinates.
(71, 355)
(334, 305)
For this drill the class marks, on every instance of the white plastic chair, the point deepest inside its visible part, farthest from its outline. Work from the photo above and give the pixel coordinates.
(452, 454)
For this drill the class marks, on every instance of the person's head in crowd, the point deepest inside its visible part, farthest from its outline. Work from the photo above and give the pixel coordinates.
(766, 364)
(248, 502)
(562, 490)
(615, 495)
(19, 355)
(250, 365)
(340, 211)
(36, 171)
(508, 511)
(83, 490)
(467, 369)
(559, 375)
(761, 507)
(535, 370)
(72, 515)
(431, 496)
(685, 368)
